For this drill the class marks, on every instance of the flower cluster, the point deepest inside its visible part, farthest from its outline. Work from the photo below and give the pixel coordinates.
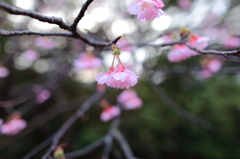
(129, 100)
(210, 66)
(109, 113)
(120, 78)
(181, 52)
(146, 9)
(13, 126)
(86, 61)
(4, 72)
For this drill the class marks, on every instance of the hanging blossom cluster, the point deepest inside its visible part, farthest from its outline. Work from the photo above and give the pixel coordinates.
(146, 9)
(181, 52)
(13, 126)
(129, 99)
(121, 77)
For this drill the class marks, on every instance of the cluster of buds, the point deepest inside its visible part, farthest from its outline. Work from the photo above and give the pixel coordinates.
(121, 77)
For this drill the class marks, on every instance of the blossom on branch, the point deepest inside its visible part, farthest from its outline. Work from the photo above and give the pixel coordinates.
(182, 52)
(86, 61)
(129, 100)
(13, 126)
(4, 72)
(146, 9)
(110, 113)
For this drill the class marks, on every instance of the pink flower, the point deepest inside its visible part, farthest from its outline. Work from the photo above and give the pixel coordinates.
(110, 113)
(130, 100)
(146, 9)
(214, 65)
(232, 42)
(87, 61)
(179, 53)
(122, 78)
(42, 96)
(4, 72)
(31, 55)
(45, 43)
(124, 45)
(182, 52)
(13, 126)
(184, 4)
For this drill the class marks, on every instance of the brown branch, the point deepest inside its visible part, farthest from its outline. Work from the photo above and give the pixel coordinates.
(215, 52)
(80, 14)
(23, 32)
(18, 11)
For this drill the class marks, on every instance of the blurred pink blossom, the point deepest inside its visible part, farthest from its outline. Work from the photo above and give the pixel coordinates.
(86, 61)
(146, 9)
(181, 52)
(210, 66)
(110, 113)
(31, 55)
(121, 78)
(13, 126)
(184, 4)
(214, 65)
(45, 43)
(129, 99)
(124, 45)
(232, 42)
(43, 95)
(4, 72)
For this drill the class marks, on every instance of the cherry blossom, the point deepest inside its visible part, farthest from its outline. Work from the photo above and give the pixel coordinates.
(13, 126)
(121, 78)
(110, 113)
(210, 66)
(43, 95)
(232, 42)
(44, 43)
(184, 4)
(129, 99)
(146, 9)
(31, 55)
(124, 45)
(86, 61)
(182, 52)
(4, 72)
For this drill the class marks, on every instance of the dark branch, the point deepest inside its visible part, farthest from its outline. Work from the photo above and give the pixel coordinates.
(18, 11)
(23, 32)
(123, 143)
(215, 52)
(86, 105)
(86, 150)
(80, 14)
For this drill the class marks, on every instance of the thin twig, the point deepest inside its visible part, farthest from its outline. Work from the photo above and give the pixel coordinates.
(86, 105)
(123, 143)
(80, 14)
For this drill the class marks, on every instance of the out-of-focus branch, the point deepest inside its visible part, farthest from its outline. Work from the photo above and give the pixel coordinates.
(85, 150)
(179, 110)
(86, 105)
(29, 94)
(123, 143)
(80, 14)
